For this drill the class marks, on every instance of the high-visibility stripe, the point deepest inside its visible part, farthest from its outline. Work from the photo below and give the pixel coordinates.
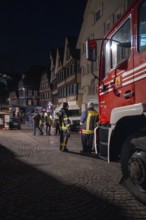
(65, 118)
(129, 77)
(63, 128)
(87, 131)
(64, 143)
(90, 123)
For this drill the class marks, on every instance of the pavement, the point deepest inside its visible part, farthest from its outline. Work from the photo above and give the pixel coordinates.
(39, 182)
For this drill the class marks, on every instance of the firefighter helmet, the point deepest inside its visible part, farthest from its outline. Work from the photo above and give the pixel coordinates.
(90, 105)
(65, 105)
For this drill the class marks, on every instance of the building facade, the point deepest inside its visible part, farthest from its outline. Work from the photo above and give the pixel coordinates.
(69, 75)
(28, 89)
(45, 90)
(98, 18)
(53, 81)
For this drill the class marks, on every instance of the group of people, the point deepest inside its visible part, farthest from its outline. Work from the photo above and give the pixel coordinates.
(43, 120)
(88, 122)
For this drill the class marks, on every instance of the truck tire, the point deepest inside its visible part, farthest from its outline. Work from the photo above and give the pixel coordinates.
(133, 164)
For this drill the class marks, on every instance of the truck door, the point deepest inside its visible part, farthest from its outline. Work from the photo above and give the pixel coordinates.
(116, 71)
(140, 54)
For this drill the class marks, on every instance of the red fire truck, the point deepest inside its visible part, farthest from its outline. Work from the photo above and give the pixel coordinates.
(122, 97)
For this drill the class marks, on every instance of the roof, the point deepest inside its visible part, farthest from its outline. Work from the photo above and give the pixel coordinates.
(72, 42)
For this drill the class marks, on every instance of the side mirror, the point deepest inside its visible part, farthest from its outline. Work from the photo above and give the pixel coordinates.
(125, 44)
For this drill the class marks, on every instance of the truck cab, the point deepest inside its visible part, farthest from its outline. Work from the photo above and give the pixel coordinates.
(122, 98)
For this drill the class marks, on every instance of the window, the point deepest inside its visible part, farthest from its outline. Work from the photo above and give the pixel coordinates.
(75, 68)
(64, 72)
(118, 49)
(75, 89)
(142, 28)
(29, 102)
(107, 25)
(79, 86)
(121, 44)
(35, 102)
(71, 69)
(117, 14)
(98, 13)
(35, 93)
(107, 58)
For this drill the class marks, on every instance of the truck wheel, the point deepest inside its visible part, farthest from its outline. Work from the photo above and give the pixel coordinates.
(133, 164)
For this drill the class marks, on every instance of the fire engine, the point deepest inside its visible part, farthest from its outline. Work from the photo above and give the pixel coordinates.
(122, 97)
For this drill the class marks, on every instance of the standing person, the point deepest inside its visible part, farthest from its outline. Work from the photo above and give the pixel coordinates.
(36, 122)
(88, 122)
(42, 120)
(65, 124)
(48, 122)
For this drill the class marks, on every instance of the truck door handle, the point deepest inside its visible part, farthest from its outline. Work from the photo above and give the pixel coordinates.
(128, 94)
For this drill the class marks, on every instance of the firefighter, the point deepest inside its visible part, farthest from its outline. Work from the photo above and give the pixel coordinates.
(36, 122)
(48, 122)
(42, 119)
(64, 123)
(88, 122)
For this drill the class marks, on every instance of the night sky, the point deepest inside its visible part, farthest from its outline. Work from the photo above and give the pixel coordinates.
(30, 28)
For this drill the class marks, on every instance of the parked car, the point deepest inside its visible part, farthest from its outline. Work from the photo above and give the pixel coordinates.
(14, 123)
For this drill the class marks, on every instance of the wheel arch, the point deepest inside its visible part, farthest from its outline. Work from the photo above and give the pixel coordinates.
(124, 128)
(133, 164)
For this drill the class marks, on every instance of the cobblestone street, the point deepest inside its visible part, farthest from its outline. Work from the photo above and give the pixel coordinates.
(38, 182)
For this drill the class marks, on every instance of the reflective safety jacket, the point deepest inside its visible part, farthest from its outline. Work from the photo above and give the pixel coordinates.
(36, 118)
(64, 121)
(42, 118)
(48, 120)
(56, 119)
(88, 121)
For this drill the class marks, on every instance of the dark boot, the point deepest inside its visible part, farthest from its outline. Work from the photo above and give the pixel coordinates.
(65, 150)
